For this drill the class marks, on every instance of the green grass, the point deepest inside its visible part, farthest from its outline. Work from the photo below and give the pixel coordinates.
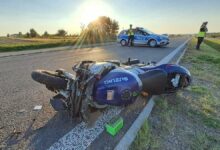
(214, 43)
(207, 54)
(146, 139)
(143, 138)
(199, 89)
(203, 141)
(205, 66)
(204, 109)
(209, 59)
(205, 62)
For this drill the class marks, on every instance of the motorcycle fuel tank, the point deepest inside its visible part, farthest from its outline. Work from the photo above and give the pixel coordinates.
(118, 87)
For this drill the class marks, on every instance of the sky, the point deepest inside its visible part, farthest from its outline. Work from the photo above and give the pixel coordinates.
(159, 16)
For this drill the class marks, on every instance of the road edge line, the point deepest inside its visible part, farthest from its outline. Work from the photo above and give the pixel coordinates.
(130, 135)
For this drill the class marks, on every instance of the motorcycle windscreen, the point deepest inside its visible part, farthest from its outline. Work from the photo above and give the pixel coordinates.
(154, 81)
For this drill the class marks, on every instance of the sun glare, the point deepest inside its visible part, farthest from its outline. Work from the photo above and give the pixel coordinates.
(91, 10)
(90, 14)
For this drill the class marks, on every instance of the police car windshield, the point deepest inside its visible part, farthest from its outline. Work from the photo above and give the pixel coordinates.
(147, 31)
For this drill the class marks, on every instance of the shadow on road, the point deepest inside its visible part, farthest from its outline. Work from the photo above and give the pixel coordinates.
(55, 128)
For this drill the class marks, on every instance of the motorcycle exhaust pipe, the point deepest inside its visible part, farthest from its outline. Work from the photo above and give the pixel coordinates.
(58, 102)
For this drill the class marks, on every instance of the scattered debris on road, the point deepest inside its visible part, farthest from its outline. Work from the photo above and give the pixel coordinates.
(38, 107)
(21, 111)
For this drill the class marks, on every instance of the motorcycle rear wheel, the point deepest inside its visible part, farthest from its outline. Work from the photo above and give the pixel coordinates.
(50, 78)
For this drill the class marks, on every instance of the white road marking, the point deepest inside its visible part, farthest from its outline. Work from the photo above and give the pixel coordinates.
(80, 137)
(169, 57)
(181, 56)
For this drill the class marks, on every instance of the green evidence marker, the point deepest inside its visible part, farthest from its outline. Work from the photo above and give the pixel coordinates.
(114, 125)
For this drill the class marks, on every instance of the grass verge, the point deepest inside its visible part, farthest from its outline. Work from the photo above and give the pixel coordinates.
(19, 44)
(214, 43)
(189, 119)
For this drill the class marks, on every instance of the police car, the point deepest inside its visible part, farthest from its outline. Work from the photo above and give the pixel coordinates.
(143, 37)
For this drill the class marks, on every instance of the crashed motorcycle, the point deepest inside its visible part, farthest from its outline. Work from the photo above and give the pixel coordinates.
(99, 84)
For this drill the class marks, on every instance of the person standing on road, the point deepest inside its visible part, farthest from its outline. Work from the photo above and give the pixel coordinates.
(130, 36)
(201, 34)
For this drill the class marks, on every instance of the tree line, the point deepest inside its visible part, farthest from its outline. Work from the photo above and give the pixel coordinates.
(33, 34)
(101, 29)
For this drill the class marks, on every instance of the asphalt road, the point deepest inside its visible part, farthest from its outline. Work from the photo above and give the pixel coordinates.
(19, 93)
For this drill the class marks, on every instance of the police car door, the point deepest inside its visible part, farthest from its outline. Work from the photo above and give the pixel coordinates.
(139, 37)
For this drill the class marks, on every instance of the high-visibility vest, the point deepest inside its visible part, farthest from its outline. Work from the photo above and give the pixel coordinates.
(201, 34)
(130, 32)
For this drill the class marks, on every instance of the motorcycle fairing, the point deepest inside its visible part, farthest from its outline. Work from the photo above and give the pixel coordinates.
(118, 87)
(169, 68)
(172, 68)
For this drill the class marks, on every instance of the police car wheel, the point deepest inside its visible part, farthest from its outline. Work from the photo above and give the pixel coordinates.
(152, 43)
(123, 42)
